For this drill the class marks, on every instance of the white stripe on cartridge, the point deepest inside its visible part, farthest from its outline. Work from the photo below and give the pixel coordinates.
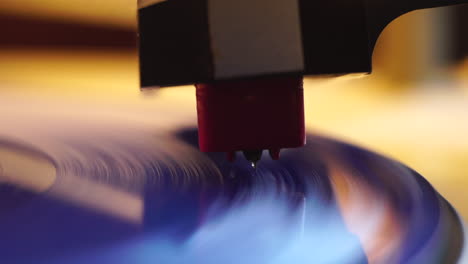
(255, 37)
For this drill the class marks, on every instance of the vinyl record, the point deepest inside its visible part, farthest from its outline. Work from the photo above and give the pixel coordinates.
(77, 187)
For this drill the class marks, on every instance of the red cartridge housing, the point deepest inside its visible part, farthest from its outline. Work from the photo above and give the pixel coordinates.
(251, 115)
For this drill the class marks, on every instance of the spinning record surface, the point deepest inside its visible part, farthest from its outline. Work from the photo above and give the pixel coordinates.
(89, 185)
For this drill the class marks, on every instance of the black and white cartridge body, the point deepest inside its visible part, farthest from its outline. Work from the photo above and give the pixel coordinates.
(204, 41)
